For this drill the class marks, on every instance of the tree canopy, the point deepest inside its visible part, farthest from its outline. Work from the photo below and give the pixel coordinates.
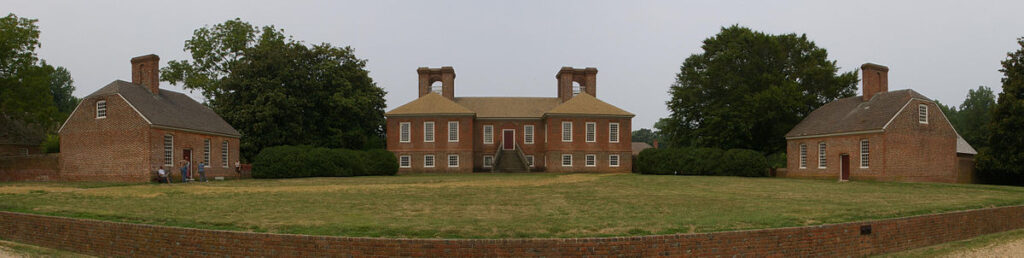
(1003, 160)
(31, 91)
(972, 119)
(748, 89)
(278, 91)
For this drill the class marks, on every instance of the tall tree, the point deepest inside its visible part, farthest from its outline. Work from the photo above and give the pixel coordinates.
(61, 87)
(748, 88)
(975, 116)
(278, 91)
(25, 80)
(644, 135)
(1003, 160)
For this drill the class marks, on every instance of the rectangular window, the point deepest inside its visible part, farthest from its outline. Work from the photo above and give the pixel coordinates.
(922, 113)
(591, 160)
(453, 131)
(224, 154)
(821, 155)
(428, 131)
(566, 160)
(591, 132)
(488, 161)
(101, 109)
(567, 131)
(405, 161)
(403, 135)
(613, 132)
(488, 134)
(428, 161)
(864, 149)
(168, 150)
(803, 155)
(206, 153)
(453, 161)
(528, 134)
(529, 160)
(613, 160)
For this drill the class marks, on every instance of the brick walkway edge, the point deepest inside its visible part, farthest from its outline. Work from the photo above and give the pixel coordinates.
(103, 238)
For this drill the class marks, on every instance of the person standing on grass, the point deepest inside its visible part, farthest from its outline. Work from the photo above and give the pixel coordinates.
(202, 172)
(184, 171)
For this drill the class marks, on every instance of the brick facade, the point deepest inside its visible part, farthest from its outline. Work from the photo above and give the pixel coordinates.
(37, 167)
(114, 148)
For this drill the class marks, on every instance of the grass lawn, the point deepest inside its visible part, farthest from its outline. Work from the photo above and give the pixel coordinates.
(501, 205)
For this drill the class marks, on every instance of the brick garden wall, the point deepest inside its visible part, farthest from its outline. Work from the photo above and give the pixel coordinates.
(123, 239)
(39, 167)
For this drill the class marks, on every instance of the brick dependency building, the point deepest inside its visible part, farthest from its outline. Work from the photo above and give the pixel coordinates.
(881, 135)
(573, 132)
(126, 130)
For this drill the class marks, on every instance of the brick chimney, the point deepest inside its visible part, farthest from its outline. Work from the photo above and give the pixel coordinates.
(874, 79)
(445, 74)
(585, 77)
(146, 72)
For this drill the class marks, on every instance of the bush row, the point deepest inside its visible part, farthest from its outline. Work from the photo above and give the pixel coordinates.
(306, 161)
(702, 161)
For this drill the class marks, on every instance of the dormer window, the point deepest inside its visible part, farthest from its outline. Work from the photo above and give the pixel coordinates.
(101, 109)
(922, 113)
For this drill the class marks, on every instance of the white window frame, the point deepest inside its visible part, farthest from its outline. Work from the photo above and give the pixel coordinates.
(530, 160)
(865, 153)
(207, 150)
(404, 132)
(404, 161)
(591, 132)
(613, 132)
(428, 135)
(101, 109)
(613, 160)
(564, 160)
(822, 155)
(590, 160)
(225, 148)
(453, 160)
(488, 164)
(528, 134)
(432, 161)
(803, 155)
(168, 150)
(922, 113)
(566, 131)
(488, 134)
(453, 131)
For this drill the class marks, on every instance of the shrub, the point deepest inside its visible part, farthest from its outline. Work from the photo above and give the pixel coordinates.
(702, 161)
(381, 162)
(743, 162)
(281, 162)
(51, 144)
(305, 161)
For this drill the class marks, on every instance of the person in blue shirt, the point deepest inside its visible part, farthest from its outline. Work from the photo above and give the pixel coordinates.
(202, 172)
(184, 171)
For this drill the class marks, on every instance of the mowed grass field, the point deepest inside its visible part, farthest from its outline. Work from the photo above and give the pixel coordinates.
(501, 205)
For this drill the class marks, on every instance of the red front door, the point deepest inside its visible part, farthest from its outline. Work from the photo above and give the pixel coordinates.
(845, 167)
(508, 139)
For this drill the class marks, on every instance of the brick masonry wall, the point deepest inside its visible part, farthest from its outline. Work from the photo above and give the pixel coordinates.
(19, 150)
(38, 167)
(193, 142)
(440, 147)
(105, 149)
(517, 126)
(847, 239)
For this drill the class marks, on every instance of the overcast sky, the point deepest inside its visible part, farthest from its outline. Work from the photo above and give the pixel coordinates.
(514, 48)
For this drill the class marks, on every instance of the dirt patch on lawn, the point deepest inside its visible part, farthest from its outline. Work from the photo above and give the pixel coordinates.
(29, 189)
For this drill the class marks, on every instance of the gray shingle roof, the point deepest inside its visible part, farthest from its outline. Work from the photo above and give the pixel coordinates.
(853, 114)
(169, 109)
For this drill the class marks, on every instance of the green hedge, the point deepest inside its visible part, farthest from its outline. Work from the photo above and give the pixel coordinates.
(306, 161)
(702, 161)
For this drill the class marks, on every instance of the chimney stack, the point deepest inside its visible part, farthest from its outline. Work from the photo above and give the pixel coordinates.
(445, 74)
(585, 77)
(146, 72)
(874, 79)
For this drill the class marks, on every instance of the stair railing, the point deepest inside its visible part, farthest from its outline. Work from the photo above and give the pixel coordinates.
(522, 157)
(497, 156)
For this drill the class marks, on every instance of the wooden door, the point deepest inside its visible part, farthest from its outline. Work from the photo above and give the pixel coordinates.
(508, 139)
(845, 167)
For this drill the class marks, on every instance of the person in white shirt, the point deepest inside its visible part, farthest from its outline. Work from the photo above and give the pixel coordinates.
(163, 175)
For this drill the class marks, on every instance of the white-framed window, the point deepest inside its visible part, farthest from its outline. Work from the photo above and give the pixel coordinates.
(224, 154)
(428, 161)
(613, 160)
(453, 131)
(488, 134)
(591, 160)
(591, 132)
(168, 150)
(821, 155)
(803, 155)
(528, 134)
(403, 134)
(922, 113)
(613, 132)
(206, 152)
(529, 160)
(428, 131)
(453, 161)
(865, 148)
(101, 109)
(488, 161)
(405, 161)
(566, 160)
(566, 131)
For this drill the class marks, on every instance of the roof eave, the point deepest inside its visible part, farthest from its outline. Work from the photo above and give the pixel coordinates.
(835, 134)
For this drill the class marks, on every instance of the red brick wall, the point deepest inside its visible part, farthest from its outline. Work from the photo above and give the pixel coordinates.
(536, 149)
(195, 143)
(107, 149)
(835, 146)
(441, 148)
(19, 150)
(579, 147)
(39, 167)
(123, 239)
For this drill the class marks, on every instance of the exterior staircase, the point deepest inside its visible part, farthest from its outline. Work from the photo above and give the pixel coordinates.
(510, 161)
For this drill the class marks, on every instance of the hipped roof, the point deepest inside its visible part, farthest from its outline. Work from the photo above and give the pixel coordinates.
(507, 107)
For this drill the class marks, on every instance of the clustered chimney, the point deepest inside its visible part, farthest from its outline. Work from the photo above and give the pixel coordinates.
(146, 72)
(874, 79)
(585, 77)
(445, 74)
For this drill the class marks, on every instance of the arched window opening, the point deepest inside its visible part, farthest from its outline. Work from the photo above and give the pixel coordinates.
(436, 87)
(577, 88)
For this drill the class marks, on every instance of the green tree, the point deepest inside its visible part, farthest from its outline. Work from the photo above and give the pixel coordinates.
(951, 113)
(975, 116)
(748, 89)
(1003, 160)
(278, 91)
(644, 135)
(24, 78)
(61, 88)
